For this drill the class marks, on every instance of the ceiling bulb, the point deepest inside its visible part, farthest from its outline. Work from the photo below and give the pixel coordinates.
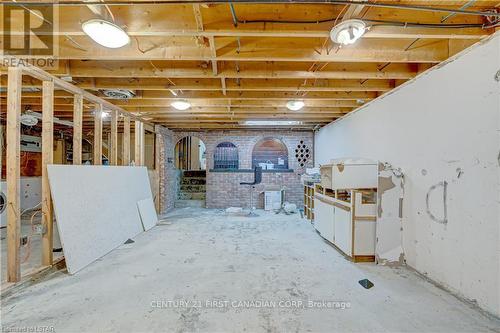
(181, 105)
(106, 33)
(294, 105)
(348, 32)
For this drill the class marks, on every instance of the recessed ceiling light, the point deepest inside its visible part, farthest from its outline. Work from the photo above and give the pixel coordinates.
(347, 32)
(181, 105)
(294, 105)
(106, 33)
(271, 122)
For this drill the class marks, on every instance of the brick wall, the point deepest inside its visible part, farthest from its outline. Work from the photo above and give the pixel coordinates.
(223, 189)
(168, 174)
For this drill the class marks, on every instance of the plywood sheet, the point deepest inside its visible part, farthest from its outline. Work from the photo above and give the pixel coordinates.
(147, 212)
(96, 208)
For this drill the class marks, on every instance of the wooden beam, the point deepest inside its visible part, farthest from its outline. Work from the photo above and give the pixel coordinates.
(213, 52)
(262, 49)
(223, 85)
(198, 17)
(13, 173)
(98, 135)
(47, 158)
(278, 70)
(113, 147)
(126, 141)
(77, 129)
(267, 85)
(139, 143)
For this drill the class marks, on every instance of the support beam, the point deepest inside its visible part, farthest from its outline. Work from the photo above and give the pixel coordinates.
(223, 84)
(213, 53)
(98, 135)
(126, 141)
(13, 173)
(113, 147)
(77, 129)
(139, 143)
(47, 158)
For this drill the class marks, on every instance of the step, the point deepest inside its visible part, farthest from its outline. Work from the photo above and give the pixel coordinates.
(194, 173)
(192, 188)
(193, 181)
(192, 196)
(189, 203)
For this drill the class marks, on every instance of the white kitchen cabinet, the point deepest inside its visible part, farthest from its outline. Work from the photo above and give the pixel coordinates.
(323, 217)
(343, 230)
(347, 219)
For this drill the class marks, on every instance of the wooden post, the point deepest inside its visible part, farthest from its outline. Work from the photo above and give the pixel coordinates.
(126, 141)
(139, 143)
(98, 135)
(47, 158)
(113, 142)
(14, 86)
(77, 129)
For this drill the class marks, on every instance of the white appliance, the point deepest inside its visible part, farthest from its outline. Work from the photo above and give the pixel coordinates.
(273, 200)
(31, 195)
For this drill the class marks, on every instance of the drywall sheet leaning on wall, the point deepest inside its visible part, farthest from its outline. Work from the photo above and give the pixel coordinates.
(147, 212)
(96, 208)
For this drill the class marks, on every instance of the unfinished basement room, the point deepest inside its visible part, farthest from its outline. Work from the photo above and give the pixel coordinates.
(250, 166)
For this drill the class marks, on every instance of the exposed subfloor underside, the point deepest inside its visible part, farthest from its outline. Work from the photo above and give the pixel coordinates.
(203, 255)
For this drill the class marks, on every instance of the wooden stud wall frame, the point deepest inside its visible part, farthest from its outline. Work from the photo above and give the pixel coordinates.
(49, 83)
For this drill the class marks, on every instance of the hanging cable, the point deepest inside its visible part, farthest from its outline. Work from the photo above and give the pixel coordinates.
(327, 2)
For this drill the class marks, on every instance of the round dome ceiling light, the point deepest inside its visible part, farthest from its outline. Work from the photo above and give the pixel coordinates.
(348, 32)
(106, 33)
(181, 105)
(294, 105)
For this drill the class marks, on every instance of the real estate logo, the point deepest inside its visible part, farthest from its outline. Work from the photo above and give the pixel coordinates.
(29, 35)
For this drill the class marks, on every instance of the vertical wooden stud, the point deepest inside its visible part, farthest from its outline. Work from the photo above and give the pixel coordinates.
(113, 142)
(77, 129)
(47, 158)
(139, 143)
(98, 135)
(126, 141)
(14, 86)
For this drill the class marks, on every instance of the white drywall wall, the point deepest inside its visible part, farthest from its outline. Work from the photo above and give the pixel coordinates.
(442, 126)
(96, 208)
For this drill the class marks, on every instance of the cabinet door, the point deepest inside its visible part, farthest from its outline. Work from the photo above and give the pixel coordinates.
(328, 230)
(343, 230)
(319, 214)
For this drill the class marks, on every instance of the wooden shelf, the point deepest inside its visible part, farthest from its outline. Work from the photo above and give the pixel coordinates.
(309, 202)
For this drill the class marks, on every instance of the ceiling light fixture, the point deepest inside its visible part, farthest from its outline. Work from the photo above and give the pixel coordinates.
(348, 32)
(181, 105)
(106, 33)
(294, 105)
(104, 114)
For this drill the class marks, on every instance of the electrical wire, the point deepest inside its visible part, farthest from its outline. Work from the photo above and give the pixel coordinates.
(378, 23)
(325, 2)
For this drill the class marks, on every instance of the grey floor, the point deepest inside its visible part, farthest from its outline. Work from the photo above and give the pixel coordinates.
(204, 271)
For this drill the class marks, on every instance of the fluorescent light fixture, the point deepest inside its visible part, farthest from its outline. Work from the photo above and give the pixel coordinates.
(106, 33)
(181, 105)
(294, 105)
(347, 32)
(271, 122)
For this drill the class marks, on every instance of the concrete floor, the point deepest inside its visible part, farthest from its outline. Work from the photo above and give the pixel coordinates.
(203, 257)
